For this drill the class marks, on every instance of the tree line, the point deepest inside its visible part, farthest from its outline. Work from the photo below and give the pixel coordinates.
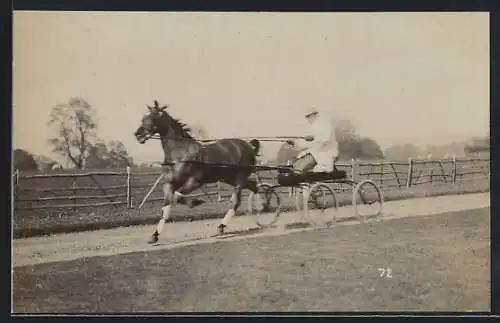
(77, 142)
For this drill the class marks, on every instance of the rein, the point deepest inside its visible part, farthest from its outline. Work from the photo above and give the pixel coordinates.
(265, 139)
(254, 167)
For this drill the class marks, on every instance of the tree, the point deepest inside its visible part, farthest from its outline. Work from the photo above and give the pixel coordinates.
(112, 155)
(23, 160)
(345, 131)
(76, 126)
(478, 145)
(347, 139)
(351, 145)
(118, 155)
(97, 155)
(286, 153)
(402, 152)
(369, 149)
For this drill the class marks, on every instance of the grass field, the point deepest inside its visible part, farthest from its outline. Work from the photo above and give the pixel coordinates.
(439, 262)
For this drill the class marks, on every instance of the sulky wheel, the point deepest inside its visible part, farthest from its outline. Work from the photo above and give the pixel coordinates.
(367, 197)
(264, 205)
(321, 205)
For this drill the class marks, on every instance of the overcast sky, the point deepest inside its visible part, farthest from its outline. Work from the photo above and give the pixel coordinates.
(400, 77)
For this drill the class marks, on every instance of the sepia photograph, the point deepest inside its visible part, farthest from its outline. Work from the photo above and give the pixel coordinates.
(250, 162)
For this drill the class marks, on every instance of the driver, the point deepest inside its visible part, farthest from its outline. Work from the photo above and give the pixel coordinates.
(319, 151)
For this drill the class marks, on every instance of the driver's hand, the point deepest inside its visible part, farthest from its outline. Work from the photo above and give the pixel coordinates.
(308, 138)
(290, 142)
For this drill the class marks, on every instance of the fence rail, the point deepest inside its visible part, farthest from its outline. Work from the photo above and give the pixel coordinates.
(63, 189)
(73, 175)
(129, 186)
(69, 206)
(73, 197)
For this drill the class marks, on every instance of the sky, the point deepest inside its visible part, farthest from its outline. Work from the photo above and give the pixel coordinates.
(399, 77)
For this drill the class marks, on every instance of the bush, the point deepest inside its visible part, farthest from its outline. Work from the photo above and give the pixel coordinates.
(23, 160)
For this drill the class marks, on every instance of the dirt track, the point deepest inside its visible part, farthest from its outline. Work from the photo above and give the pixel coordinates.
(125, 240)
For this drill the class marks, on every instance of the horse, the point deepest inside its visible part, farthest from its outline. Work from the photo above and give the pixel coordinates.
(189, 165)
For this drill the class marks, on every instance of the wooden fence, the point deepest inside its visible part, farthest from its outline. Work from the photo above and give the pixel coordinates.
(72, 189)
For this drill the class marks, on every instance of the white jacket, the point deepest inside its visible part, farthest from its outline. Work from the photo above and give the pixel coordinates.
(324, 147)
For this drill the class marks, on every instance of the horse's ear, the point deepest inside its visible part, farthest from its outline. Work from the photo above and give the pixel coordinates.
(164, 107)
(156, 104)
(150, 108)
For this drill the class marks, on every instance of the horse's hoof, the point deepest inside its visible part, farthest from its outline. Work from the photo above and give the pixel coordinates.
(220, 228)
(153, 239)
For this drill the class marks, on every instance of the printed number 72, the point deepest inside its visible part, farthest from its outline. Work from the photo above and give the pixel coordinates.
(385, 272)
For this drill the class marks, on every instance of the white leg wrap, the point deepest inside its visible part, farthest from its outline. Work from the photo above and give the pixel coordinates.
(166, 211)
(165, 216)
(228, 217)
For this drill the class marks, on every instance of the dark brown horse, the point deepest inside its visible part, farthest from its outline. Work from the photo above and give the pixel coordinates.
(188, 164)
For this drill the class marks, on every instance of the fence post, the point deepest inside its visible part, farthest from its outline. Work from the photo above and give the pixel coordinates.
(454, 170)
(219, 196)
(15, 184)
(409, 177)
(353, 169)
(274, 177)
(73, 187)
(129, 188)
(381, 173)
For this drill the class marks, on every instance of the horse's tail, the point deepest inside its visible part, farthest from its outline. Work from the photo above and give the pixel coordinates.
(256, 145)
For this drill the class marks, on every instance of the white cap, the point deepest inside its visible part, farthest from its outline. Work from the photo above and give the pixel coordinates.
(310, 111)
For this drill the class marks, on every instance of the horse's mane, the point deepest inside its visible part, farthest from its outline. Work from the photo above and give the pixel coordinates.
(185, 130)
(182, 128)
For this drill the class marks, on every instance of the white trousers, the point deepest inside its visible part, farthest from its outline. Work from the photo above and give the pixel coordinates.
(325, 160)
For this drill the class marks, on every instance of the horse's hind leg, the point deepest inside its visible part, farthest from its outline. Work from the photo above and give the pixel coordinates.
(236, 202)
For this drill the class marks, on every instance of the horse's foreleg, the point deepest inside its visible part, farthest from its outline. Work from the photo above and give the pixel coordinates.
(169, 200)
(236, 202)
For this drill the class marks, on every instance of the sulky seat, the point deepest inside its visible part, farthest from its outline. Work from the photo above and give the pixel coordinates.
(291, 178)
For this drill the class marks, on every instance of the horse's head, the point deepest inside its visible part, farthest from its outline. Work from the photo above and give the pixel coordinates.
(158, 121)
(152, 123)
